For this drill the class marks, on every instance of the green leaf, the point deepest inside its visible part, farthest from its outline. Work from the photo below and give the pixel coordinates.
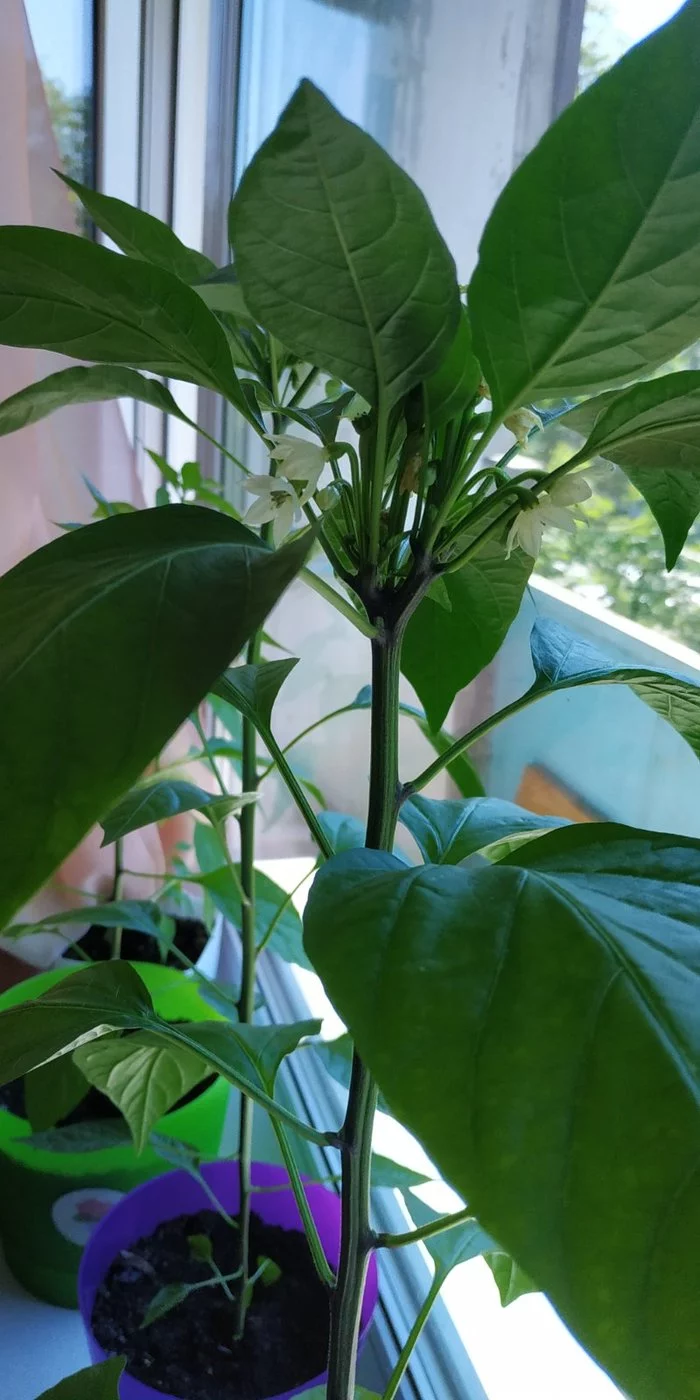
(510, 1280)
(324, 418)
(286, 939)
(84, 384)
(143, 1078)
(222, 292)
(344, 832)
(200, 1248)
(111, 996)
(97, 1136)
(99, 1382)
(167, 1298)
(319, 1392)
(651, 431)
(157, 801)
(139, 914)
(450, 1247)
(270, 1271)
(61, 292)
(589, 262)
(141, 235)
(51, 1092)
(246, 1052)
(446, 832)
(108, 639)
(453, 385)
(563, 661)
(252, 690)
(535, 1025)
(93, 1001)
(190, 475)
(336, 1057)
(376, 300)
(394, 1176)
(443, 651)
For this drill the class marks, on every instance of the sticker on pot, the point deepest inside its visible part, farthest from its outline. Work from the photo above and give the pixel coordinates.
(76, 1214)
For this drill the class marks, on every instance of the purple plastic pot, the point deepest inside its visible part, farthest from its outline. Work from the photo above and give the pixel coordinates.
(178, 1193)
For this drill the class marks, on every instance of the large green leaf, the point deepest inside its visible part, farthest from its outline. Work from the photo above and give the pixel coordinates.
(652, 431)
(150, 802)
(109, 636)
(454, 383)
(564, 661)
(111, 996)
(141, 914)
(590, 262)
(245, 1052)
(143, 1077)
(448, 832)
(51, 1092)
(443, 651)
(141, 235)
(93, 1001)
(61, 292)
(535, 1025)
(512, 1283)
(84, 384)
(99, 1382)
(343, 831)
(338, 254)
(252, 690)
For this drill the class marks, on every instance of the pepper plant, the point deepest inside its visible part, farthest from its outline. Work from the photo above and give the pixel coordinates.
(525, 998)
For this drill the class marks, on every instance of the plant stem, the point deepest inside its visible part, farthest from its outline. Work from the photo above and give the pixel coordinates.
(246, 1004)
(425, 1232)
(116, 950)
(460, 745)
(356, 1133)
(323, 1268)
(399, 1370)
(336, 599)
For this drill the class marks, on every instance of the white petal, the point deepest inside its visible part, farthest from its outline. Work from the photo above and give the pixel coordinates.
(512, 540)
(284, 519)
(259, 513)
(558, 518)
(261, 485)
(570, 490)
(530, 530)
(311, 485)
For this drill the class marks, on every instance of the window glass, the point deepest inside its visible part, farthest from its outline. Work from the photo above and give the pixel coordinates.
(617, 562)
(63, 40)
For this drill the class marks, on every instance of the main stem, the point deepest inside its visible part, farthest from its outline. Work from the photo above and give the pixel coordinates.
(246, 1001)
(356, 1133)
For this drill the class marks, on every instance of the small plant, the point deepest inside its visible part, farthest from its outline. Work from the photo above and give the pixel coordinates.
(525, 999)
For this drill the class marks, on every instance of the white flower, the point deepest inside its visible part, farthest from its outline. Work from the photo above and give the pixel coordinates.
(277, 500)
(299, 459)
(521, 424)
(555, 508)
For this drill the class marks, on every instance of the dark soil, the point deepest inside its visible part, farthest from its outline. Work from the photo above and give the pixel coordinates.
(190, 937)
(94, 1107)
(191, 1352)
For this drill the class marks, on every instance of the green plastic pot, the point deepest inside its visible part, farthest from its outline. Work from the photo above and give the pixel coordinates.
(51, 1201)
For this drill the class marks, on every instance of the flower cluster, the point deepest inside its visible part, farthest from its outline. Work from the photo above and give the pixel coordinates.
(281, 498)
(556, 507)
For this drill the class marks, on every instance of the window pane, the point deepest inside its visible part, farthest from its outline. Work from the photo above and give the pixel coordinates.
(63, 40)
